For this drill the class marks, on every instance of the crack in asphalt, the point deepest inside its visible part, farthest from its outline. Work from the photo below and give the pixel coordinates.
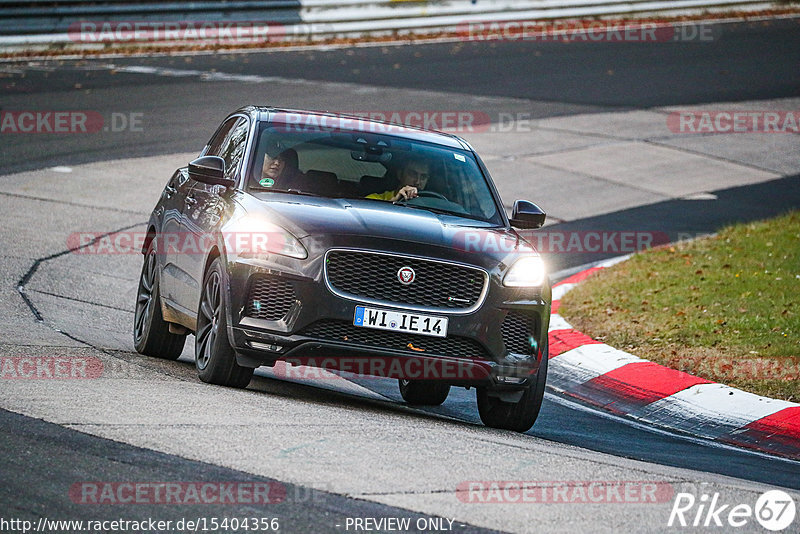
(37, 346)
(654, 140)
(183, 425)
(528, 484)
(115, 354)
(35, 267)
(74, 299)
(68, 203)
(608, 181)
(26, 278)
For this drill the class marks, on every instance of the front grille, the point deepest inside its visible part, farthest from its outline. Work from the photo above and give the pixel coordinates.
(367, 275)
(343, 331)
(270, 298)
(518, 333)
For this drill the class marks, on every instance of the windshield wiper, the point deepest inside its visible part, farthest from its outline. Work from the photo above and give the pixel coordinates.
(294, 192)
(439, 210)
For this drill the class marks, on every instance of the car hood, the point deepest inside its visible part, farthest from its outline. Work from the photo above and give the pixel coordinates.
(313, 216)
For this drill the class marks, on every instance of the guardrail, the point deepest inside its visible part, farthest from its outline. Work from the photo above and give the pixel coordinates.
(47, 21)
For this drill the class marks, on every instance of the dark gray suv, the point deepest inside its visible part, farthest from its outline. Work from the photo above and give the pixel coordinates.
(353, 245)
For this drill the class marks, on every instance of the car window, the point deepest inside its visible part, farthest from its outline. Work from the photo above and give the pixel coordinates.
(229, 143)
(342, 164)
(220, 136)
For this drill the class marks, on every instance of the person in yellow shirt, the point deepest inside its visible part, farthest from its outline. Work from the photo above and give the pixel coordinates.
(412, 179)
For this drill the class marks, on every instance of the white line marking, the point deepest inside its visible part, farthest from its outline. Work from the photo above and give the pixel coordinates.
(700, 196)
(206, 76)
(613, 261)
(648, 427)
(558, 323)
(560, 291)
(590, 361)
(712, 409)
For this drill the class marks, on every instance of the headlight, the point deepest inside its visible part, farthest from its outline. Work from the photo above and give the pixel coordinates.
(254, 235)
(526, 272)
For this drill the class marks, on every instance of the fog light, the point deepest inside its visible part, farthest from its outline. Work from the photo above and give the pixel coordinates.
(510, 380)
(265, 346)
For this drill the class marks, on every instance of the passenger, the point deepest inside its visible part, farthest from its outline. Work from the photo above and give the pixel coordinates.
(412, 179)
(282, 169)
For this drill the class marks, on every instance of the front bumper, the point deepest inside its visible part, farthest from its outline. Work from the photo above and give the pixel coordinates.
(482, 347)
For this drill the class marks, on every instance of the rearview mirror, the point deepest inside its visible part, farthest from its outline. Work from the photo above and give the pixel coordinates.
(526, 214)
(210, 170)
(373, 156)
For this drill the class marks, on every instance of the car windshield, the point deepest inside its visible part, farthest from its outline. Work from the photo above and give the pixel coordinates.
(370, 166)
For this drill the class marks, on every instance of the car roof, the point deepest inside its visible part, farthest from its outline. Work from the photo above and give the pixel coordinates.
(340, 121)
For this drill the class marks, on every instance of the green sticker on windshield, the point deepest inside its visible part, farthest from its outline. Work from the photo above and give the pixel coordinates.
(266, 182)
(460, 158)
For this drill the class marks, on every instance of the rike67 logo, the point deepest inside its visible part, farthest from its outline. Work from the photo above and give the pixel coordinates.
(774, 510)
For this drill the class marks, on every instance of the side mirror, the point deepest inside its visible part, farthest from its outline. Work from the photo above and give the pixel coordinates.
(526, 214)
(210, 170)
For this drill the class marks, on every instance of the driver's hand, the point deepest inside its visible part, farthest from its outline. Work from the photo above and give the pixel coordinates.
(406, 193)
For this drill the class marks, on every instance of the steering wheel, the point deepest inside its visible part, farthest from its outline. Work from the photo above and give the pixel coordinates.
(431, 194)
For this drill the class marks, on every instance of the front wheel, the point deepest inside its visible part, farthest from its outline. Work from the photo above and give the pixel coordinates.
(215, 359)
(151, 335)
(518, 416)
(423, 392)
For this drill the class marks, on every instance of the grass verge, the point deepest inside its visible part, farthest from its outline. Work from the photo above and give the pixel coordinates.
(725, 308)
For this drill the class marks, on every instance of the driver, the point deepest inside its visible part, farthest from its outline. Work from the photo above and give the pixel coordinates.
(412, 179)
(282, 168)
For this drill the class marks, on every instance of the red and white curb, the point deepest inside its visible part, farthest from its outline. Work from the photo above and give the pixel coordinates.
(622, 383)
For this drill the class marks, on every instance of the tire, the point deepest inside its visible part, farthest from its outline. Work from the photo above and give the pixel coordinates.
(423, 392)
(215, 359)
(518, 416)
(151, 335)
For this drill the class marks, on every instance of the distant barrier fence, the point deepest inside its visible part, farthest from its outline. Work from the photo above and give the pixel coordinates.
(52, 21)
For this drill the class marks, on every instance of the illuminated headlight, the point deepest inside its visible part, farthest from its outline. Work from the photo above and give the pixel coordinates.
(526, 272)
(255, 236)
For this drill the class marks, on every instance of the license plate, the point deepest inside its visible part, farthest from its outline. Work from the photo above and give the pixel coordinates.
(400, 321)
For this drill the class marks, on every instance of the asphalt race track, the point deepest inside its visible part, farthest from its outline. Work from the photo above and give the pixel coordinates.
(579, 128)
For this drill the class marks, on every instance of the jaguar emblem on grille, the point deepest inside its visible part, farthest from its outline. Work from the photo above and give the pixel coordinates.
(406, 275)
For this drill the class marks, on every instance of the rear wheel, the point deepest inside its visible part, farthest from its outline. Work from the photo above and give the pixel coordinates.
(424, 392)
(518, 416)
(214, 357)
(151, 335)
